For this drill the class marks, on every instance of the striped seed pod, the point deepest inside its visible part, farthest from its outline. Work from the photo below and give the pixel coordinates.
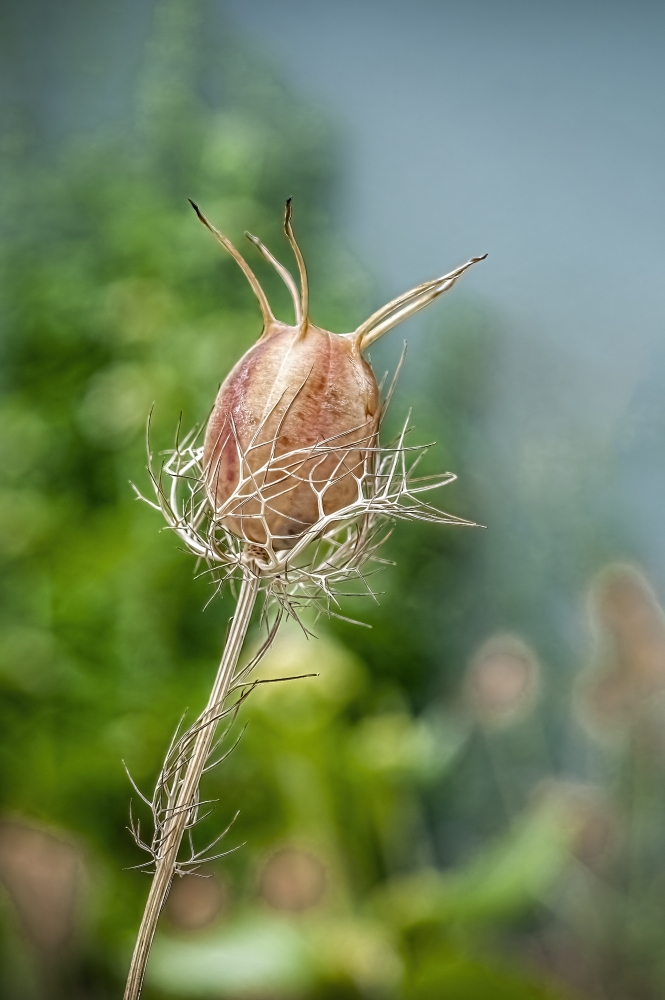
(294, 422)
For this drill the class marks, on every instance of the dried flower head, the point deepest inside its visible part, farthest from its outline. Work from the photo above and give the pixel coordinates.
(290, 493)
(290, 481)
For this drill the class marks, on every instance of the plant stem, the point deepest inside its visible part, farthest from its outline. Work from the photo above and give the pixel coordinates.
(187, 792)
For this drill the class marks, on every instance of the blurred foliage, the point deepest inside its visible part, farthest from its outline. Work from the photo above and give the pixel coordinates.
(389, 841)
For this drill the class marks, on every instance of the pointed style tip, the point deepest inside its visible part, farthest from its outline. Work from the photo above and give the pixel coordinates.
(304, 293)
(240, 261)
(406, 305)
(198, 211)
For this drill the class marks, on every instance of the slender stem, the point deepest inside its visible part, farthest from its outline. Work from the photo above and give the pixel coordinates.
(187, 792)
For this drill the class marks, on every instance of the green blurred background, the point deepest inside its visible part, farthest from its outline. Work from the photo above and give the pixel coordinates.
(468, 801)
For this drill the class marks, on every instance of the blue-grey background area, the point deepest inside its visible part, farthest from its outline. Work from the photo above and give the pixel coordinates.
(531, 131)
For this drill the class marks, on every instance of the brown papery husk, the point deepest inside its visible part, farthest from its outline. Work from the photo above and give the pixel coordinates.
(306, 392)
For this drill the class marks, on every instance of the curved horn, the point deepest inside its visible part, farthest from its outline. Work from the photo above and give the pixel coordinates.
(242, 263)
(406, 305)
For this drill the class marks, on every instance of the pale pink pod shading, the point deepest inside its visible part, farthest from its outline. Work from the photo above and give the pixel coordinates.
(295, 421)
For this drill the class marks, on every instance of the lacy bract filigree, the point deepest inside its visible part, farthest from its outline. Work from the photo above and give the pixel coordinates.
(330, 554)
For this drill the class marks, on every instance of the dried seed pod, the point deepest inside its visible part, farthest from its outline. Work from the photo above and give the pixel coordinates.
(288, 457)
(294, 422)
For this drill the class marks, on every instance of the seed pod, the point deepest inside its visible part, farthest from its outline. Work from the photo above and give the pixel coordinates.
(294, 422)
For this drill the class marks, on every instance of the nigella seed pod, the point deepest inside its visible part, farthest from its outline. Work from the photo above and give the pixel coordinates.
(290, 455)
(296, 420)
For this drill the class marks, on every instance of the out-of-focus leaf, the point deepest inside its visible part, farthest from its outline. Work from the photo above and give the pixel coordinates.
(259, 955)
(457, 977)
(506, 877)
